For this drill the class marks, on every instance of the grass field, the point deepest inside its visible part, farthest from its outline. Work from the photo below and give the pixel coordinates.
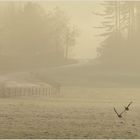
(75, 113)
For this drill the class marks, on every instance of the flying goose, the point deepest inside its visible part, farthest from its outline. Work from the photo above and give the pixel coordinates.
(127, 107)
(119, 115)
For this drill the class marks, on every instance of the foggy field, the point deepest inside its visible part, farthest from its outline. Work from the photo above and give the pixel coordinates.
(67, 66)
(75, 113)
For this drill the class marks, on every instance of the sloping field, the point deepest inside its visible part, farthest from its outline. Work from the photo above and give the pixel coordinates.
(90, 75)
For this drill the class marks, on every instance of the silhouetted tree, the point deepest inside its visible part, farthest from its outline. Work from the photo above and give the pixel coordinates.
(121, 47)
(32, 36)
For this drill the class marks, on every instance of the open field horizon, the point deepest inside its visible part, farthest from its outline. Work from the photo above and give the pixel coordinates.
(75, 113)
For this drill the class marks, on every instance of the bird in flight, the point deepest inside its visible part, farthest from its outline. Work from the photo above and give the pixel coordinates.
(119, 115)
(127, 107)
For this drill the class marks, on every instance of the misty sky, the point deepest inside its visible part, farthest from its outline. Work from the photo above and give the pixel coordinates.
(80, 13)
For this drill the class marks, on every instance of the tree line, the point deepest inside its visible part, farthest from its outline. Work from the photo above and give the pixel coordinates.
(121, 25)
(30, 36)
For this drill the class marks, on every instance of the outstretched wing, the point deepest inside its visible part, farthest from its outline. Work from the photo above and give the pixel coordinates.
(116, 111)
(129, 104)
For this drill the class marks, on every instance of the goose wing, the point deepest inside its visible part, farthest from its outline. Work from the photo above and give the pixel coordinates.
(116, 111)
(129, 104)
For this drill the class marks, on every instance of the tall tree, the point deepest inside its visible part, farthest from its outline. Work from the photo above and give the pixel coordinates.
(31, 36)
(120, 48)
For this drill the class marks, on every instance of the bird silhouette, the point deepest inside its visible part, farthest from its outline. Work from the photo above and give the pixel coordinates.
(127, 107)
(119, 115)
